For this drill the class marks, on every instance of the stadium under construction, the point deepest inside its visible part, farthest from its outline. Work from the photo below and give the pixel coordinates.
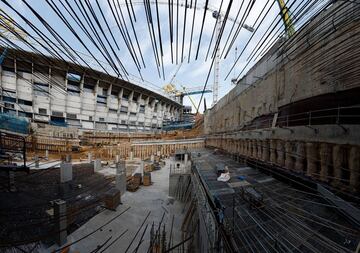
(109, 144)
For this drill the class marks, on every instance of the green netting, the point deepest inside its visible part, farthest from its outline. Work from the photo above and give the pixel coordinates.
(14, 123)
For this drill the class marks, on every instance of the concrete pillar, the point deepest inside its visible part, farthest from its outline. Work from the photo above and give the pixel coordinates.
(354, 166)
(185, 159)
(36, 161)
(254, 149)
(12, 187)
(338, 158)
(259, 149)
(120, 179)
(89, 157)
(61, 221)
(289, 159)
(142, 167)
(97, 165)
(300, 157)
(311, 159)
(68, 158)
(46, 155)
(273, 151)
(249, 148)
(280, 151)
(325, 161)
(117, 158)
(265, 152)
(66, 172)
(131, 155)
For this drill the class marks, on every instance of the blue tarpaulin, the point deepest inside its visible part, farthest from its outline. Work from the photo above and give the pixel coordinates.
(14, 123)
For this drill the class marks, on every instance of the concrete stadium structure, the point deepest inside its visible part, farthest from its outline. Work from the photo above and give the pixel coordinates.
(58, 92)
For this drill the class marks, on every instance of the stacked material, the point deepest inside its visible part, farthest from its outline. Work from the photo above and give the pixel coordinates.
(112, 199)
(137, 179)
(147, 179)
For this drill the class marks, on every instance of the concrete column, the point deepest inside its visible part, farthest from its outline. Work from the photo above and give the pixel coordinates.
(61, 221)
(89, 157)
(97, 165)
(311, 159)
(66, 172)
(265, 152)
(46, 155)
(68, 158)
(249, 148)
(36, 161)
(273, 151)
(185, 159)
(280, 151)
(338, 158)
(289, 159)
(142, 167)
(245, 147)
(120, 179)
(131, 155)
(325, 161)
(254, 149)
(117, 158)
(12, 186)
(354, 166)
(300, 157)
(259, 149)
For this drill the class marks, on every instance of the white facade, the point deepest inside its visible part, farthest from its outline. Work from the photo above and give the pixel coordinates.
(65, 97)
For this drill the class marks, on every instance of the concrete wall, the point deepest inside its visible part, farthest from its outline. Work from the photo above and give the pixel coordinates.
(333, 163)
(304, 71)
(320, 62)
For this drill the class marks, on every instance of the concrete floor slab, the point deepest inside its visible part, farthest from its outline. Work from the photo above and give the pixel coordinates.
(152, 198)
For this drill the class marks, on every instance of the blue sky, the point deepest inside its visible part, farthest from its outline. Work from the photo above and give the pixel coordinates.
(191, 74)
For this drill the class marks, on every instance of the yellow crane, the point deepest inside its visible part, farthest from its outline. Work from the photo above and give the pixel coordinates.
(286, 17)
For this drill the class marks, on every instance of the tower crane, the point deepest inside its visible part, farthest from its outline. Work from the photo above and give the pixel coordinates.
(169, 88)
(286, 17)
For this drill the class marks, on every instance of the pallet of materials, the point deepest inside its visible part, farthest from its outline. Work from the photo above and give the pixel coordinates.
(132, 187)
(147, 179)
(112, 199)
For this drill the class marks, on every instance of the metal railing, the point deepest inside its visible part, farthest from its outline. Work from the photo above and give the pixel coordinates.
(342, 115)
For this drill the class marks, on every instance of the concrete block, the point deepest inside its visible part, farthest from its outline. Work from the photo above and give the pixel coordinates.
(65, 172)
